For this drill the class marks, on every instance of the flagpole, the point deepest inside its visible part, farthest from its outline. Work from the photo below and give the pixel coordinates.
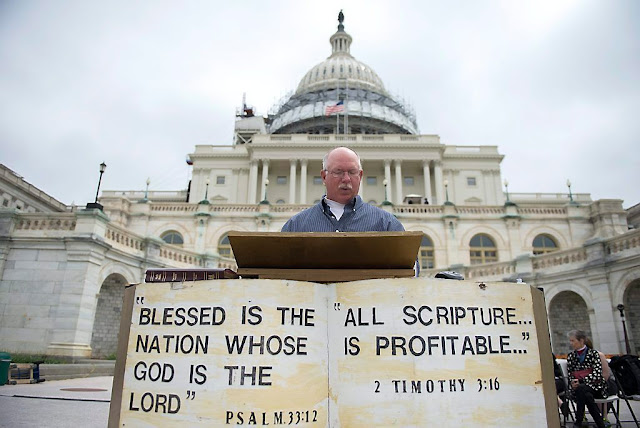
(346, 111)
(337, 112)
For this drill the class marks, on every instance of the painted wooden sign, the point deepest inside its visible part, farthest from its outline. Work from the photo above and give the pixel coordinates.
(385, 352)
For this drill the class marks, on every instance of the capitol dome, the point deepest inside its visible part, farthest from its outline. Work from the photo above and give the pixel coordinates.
(369, 108)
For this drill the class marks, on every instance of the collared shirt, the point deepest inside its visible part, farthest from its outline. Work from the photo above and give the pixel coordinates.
(358, 217)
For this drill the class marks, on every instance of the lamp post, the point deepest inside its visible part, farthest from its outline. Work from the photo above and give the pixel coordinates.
(95, 204)
(508, 202)
(265, 201)
(386, 201)
(446, 193)
(205, 201)
(624, 328)
(571, 201)
(146, 192)
(506, 189)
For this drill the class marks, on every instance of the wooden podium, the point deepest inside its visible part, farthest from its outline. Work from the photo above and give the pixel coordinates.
(325, 257)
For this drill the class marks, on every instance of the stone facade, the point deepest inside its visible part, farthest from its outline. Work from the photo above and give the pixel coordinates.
(104, 340)
(62, 268)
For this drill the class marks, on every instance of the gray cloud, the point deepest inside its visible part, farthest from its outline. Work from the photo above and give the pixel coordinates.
(139, 84)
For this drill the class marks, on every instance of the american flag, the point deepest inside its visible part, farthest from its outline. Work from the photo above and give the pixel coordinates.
(337, 108)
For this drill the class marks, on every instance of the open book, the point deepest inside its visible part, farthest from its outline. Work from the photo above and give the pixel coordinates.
(384, 352)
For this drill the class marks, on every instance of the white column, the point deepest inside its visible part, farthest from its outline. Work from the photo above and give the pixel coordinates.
(387, 176)
(486, 177)
(265, 176)
(427, 180)
(498, 194)
(253, 181)
(303, 181)
(399, 179)
(292, 180)
(439, 199)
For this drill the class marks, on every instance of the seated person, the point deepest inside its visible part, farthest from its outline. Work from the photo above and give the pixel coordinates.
(585, 378)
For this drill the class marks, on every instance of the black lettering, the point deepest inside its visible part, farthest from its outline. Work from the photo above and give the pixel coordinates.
(131, 407)
(409, 312)
(145, 318)
(179, 316)
(441, 313)
(498, 314)
(381, 343)
(166, 316)
(192, 313)
(504, 343)
(473, 310)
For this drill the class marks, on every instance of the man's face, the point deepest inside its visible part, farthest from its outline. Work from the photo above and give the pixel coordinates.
(343, 176)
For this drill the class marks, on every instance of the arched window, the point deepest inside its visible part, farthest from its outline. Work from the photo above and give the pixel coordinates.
(483, 249)
(224, 247)
(544, 243)
(280, 201)
(427, 260)
(172, 237)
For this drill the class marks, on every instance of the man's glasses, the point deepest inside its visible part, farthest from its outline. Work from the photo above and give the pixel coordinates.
(338, 173)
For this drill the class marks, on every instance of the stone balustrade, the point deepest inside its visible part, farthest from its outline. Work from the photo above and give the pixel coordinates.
(120, 237)
(542, 211)
(46, 222)
(624, 242)
(490, 270)
(558, 258)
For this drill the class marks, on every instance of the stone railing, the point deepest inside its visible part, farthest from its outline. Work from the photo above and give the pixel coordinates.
(288, 208)
(118, 236)
(49, 222)
(480, 210)
(357, 138)
(177, 255)
(499, 269)
(15, 179)
(152, 195)
(244, 208)
(626, 241)
(548, 197)
(559, 258)
(418, 209)
(183, 207)
(543, 210)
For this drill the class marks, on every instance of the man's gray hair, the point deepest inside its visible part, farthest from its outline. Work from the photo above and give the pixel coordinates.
(324, 159)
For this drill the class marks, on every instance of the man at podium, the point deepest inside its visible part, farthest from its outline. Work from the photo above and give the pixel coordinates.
(341, 209)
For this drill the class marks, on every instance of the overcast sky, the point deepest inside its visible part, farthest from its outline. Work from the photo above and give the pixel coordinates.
(554, 84)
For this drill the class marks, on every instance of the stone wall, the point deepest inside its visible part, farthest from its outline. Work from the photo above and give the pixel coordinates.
(567, 312)
(632, 315)
(104, 340)
(29, 295)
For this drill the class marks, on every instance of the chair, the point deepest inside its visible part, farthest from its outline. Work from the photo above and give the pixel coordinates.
(606, 404)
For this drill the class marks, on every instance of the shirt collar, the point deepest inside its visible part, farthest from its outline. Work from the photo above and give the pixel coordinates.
(354, 204)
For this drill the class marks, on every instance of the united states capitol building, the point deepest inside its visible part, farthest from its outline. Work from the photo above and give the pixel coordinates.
(63, 269)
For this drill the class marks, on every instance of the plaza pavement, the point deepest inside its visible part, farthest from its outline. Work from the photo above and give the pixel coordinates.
(84, 403)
